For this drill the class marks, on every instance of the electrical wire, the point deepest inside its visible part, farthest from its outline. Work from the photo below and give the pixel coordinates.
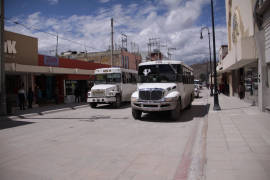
(51, 34)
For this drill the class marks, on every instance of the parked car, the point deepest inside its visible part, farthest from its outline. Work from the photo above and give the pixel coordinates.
(198, 83)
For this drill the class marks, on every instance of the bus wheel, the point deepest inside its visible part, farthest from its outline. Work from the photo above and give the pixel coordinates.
(137, 114)
(176, 112)
(93, 105)
(117, 103)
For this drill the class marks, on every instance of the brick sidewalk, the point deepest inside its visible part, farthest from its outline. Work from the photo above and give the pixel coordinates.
(238, 141)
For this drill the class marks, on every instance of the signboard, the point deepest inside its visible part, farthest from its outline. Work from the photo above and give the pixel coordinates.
(20, 49)
(51, 61)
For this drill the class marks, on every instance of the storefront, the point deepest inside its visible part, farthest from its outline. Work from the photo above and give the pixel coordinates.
(20, 51)
(251, 83)
(72, 77)
(52, 79)
(76, 86)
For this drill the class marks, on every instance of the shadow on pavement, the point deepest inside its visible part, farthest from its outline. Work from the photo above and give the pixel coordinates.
(110, 106)
(244, 107)
(88, 119)
(41, 110)
(6, 123)
(196, 111)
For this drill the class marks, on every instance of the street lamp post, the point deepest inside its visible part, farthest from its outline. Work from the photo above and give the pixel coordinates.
(211, 87)
(216, 103)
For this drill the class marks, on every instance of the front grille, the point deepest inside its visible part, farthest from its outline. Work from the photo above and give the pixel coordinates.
(144, 95)
(150, 94)
(98, 93)
(156, 95)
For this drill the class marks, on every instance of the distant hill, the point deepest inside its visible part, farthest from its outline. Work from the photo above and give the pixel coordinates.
(200, 70)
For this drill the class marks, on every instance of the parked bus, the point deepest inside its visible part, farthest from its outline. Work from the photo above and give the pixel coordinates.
(112, 86)
(165, 85)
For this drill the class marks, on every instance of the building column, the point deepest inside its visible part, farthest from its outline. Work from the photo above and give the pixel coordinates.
(260, 48)
(230, 83)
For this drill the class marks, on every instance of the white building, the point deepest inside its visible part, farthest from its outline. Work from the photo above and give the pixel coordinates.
(247, 61)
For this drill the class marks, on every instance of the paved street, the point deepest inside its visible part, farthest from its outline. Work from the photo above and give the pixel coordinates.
(78, 142)
(102, 143)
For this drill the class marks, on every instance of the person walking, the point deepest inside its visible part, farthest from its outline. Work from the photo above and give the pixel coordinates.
(77, 95)
(30, 96)
(21, 96)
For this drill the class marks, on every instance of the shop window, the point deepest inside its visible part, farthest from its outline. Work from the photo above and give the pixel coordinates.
(70, 86)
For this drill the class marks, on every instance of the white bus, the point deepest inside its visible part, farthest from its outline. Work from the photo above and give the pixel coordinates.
(112, 86)
(163, 85)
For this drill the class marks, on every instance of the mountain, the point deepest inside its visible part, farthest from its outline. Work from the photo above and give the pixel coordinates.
(200, 70)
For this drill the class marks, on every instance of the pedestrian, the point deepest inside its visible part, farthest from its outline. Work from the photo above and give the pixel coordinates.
(21, 96)
(77, 95)
(30, 96)
(241, 91)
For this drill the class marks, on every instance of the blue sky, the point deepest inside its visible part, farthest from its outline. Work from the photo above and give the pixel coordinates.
(85, 24)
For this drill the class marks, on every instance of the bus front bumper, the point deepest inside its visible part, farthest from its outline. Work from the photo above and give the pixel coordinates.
(147, 106)
(101, 99)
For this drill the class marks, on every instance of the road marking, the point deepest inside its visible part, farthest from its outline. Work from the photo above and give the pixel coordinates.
(192, 163)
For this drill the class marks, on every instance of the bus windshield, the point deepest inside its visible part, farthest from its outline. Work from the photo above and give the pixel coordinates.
(108, 78)
(157, 73)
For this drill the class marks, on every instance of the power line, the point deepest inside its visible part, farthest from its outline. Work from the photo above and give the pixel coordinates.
(51, 34)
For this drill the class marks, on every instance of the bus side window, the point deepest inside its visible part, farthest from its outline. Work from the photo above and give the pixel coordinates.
(184, 76)
(188, 77)
(179, 73)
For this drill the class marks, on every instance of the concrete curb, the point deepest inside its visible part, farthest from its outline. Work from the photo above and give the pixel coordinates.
(48, 111)
(192, 164)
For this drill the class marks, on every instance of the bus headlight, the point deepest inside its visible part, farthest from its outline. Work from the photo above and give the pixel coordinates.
(133, 99)
(89, 94)
(111, 93)
(170, 99)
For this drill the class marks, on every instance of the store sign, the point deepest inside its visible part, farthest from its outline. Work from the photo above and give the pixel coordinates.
(51, 61)
(10, 47)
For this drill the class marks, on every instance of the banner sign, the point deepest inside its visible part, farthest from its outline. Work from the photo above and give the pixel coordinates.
(51, 61)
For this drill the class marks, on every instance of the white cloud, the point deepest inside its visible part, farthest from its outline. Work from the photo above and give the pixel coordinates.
(104, 1)
(53, 2)
(175, 26)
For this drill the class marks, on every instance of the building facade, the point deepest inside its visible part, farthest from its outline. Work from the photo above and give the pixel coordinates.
(121, 58)
(52, 79)
(262, 39)
(241, 67)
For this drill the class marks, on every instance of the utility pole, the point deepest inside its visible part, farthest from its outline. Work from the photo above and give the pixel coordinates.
(3, 106)
(111, 42)
(56, 49)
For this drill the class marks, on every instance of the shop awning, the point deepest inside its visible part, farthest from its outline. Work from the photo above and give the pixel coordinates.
(13, 67)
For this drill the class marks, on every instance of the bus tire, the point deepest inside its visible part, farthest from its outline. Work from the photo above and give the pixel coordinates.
(117, 103)
(93, 105)
(137, 114)
(176, 112)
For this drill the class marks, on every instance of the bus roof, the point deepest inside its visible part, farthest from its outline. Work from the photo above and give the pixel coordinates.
(113, 70)
(165, 62)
